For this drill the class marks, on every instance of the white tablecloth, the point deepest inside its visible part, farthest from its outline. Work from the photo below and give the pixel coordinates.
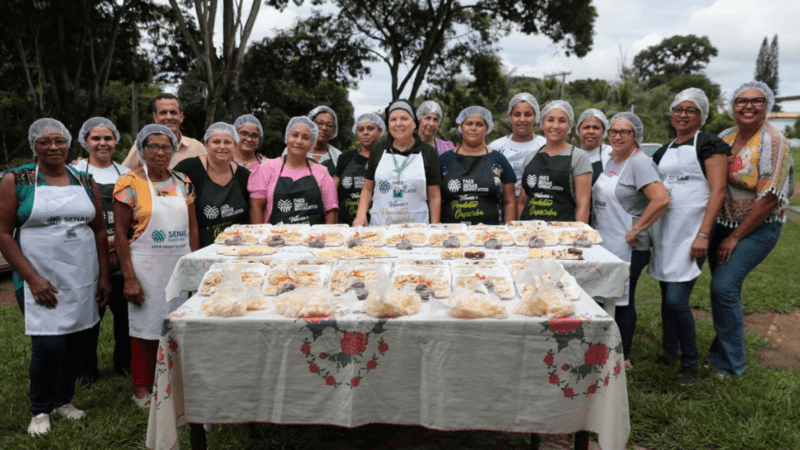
(600, 273)
(521, 374)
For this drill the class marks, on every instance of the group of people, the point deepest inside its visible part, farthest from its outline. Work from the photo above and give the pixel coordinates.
(80, 236)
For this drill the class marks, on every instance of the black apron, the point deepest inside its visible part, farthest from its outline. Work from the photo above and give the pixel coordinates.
(219, 207)
(106, 192)
(349, 191)
(470, 193)
(597, 169)
(297, 201)
(548, 182)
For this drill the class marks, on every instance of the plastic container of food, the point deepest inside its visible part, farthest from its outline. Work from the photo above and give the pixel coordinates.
(307, 277)
(369, 273)
(436, 238)
(522, 237)
(501, 234)
(333, 237)
(291, 236)
(418, 237)
(371, 236)
(497, 280)
(437, 278)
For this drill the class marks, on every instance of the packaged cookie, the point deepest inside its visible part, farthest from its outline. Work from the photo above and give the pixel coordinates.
(436, 279)
(222, 304)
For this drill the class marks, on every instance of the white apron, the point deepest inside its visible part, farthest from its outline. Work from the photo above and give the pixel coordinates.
(57, 241)
(401, 190)
(675, 231)
(154, 255)
(611, 220)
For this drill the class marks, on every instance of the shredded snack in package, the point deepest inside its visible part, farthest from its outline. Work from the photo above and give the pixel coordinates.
(479, 304)
(394, 303)
(305, 303)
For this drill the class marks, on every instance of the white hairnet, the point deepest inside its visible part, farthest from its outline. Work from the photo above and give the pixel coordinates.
(596, 113)
(429, 107)
(484, 113)
(221, 127)
(251, 119)
(696, 96)
(405, 106)
(92, 123)
(369, 117)
(634, 120)
(47, 126)
(524, 97)
(562, 105)
(324, 109)
(151, 129)
(770, 96)
(302, 120)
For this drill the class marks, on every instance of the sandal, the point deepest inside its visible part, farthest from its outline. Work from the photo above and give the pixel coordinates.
(143, 402)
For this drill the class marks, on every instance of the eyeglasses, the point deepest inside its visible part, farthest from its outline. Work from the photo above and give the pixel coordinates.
(624, 133)
(245, 135)
(327, 125)
(46, 143)
(154, 148)
(691, 112)
(756, 102)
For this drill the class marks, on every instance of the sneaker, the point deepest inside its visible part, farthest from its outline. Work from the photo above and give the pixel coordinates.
(40, 424)
(687, 376)
(667, 359)
(69, 411)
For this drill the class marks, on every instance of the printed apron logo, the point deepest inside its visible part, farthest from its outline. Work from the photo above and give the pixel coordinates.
(158, 236)
(347, 182)
(384, 186)
(531, 180)
(211, 212)
(453, 185)
(54, 220)
(284, 205)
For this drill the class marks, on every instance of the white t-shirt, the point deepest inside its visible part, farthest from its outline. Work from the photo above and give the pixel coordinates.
(108, 175)
(515, 153)
(594, 155)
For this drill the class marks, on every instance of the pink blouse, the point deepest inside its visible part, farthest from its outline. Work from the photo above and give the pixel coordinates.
(265, 176)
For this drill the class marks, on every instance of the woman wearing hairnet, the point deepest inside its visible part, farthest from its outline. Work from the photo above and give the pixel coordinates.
(327, 124)
(48, 205)
(523, 113)
(591, 128)
(349, 175)
(557, 179)
(291, 189)
(99, 137)
(154, 205)
(250, 136)
(627, 199)
(401, 183)
(693, 169)
(220, 185)
(430, 117)
(760, 180)
(477, 183)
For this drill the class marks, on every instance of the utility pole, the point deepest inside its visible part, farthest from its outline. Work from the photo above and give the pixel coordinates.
(563, 76)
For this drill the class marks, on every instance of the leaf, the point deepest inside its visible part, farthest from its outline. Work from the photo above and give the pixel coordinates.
(318, 327)
(378, 328)
(343, 359)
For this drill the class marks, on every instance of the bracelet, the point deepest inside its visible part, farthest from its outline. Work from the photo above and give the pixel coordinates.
(702, 235)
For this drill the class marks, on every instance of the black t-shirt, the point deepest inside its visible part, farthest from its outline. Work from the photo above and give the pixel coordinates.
(707, 145)
(344, 160)
(430, 159)
(196, 171)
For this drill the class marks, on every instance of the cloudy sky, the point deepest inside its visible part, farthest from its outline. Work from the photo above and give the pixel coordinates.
(625, 27)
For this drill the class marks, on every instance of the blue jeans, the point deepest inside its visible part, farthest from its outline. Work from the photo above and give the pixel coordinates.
(727, 350)
(677, 321)
(625, 316)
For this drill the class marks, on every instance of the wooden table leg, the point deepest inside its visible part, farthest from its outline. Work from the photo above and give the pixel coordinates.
(582, 440)
(536, 441)
(198, 436)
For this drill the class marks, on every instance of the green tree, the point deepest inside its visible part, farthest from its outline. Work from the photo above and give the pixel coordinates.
(677, 55)
(767, 64)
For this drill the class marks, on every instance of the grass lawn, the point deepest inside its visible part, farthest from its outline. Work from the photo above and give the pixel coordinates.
(760, 410)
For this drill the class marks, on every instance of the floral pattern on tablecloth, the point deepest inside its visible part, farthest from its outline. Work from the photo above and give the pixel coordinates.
(336, 350)
(586, 357)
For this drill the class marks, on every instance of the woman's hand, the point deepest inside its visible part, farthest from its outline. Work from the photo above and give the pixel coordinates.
(44, 293)
(133, 291)
(360, 221)
(726, 248)
(632, 238)
(103, 291)
(699, 248)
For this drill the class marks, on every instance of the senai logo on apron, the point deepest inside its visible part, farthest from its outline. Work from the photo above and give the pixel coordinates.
(160, 236)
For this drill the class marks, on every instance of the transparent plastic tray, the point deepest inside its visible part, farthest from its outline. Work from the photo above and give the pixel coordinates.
(333, 237)
(370, 273)
(418, 237)
(523, 236)
(497, 279)
(480, 237)
(292, 236)
(437, 237)
(308, 277)
(437, 277)
(372, 236)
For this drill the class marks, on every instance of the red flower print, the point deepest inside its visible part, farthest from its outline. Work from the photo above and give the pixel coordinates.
(606, 380)
(383, 348)
(317, 319)
(323, 355)
(173, 345)
(617, 370)
(565, 325)
(313, 368)
(354, 381)
(169, 389)
(549, 359)
(160, 354)
(354, 343)
(171, 363)
(597, 354)
(305, 349)
(564, 367)
(330, 381)
(736, 165)
(553, 379)
(591, 389)
(372, 364)
(568, 392)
